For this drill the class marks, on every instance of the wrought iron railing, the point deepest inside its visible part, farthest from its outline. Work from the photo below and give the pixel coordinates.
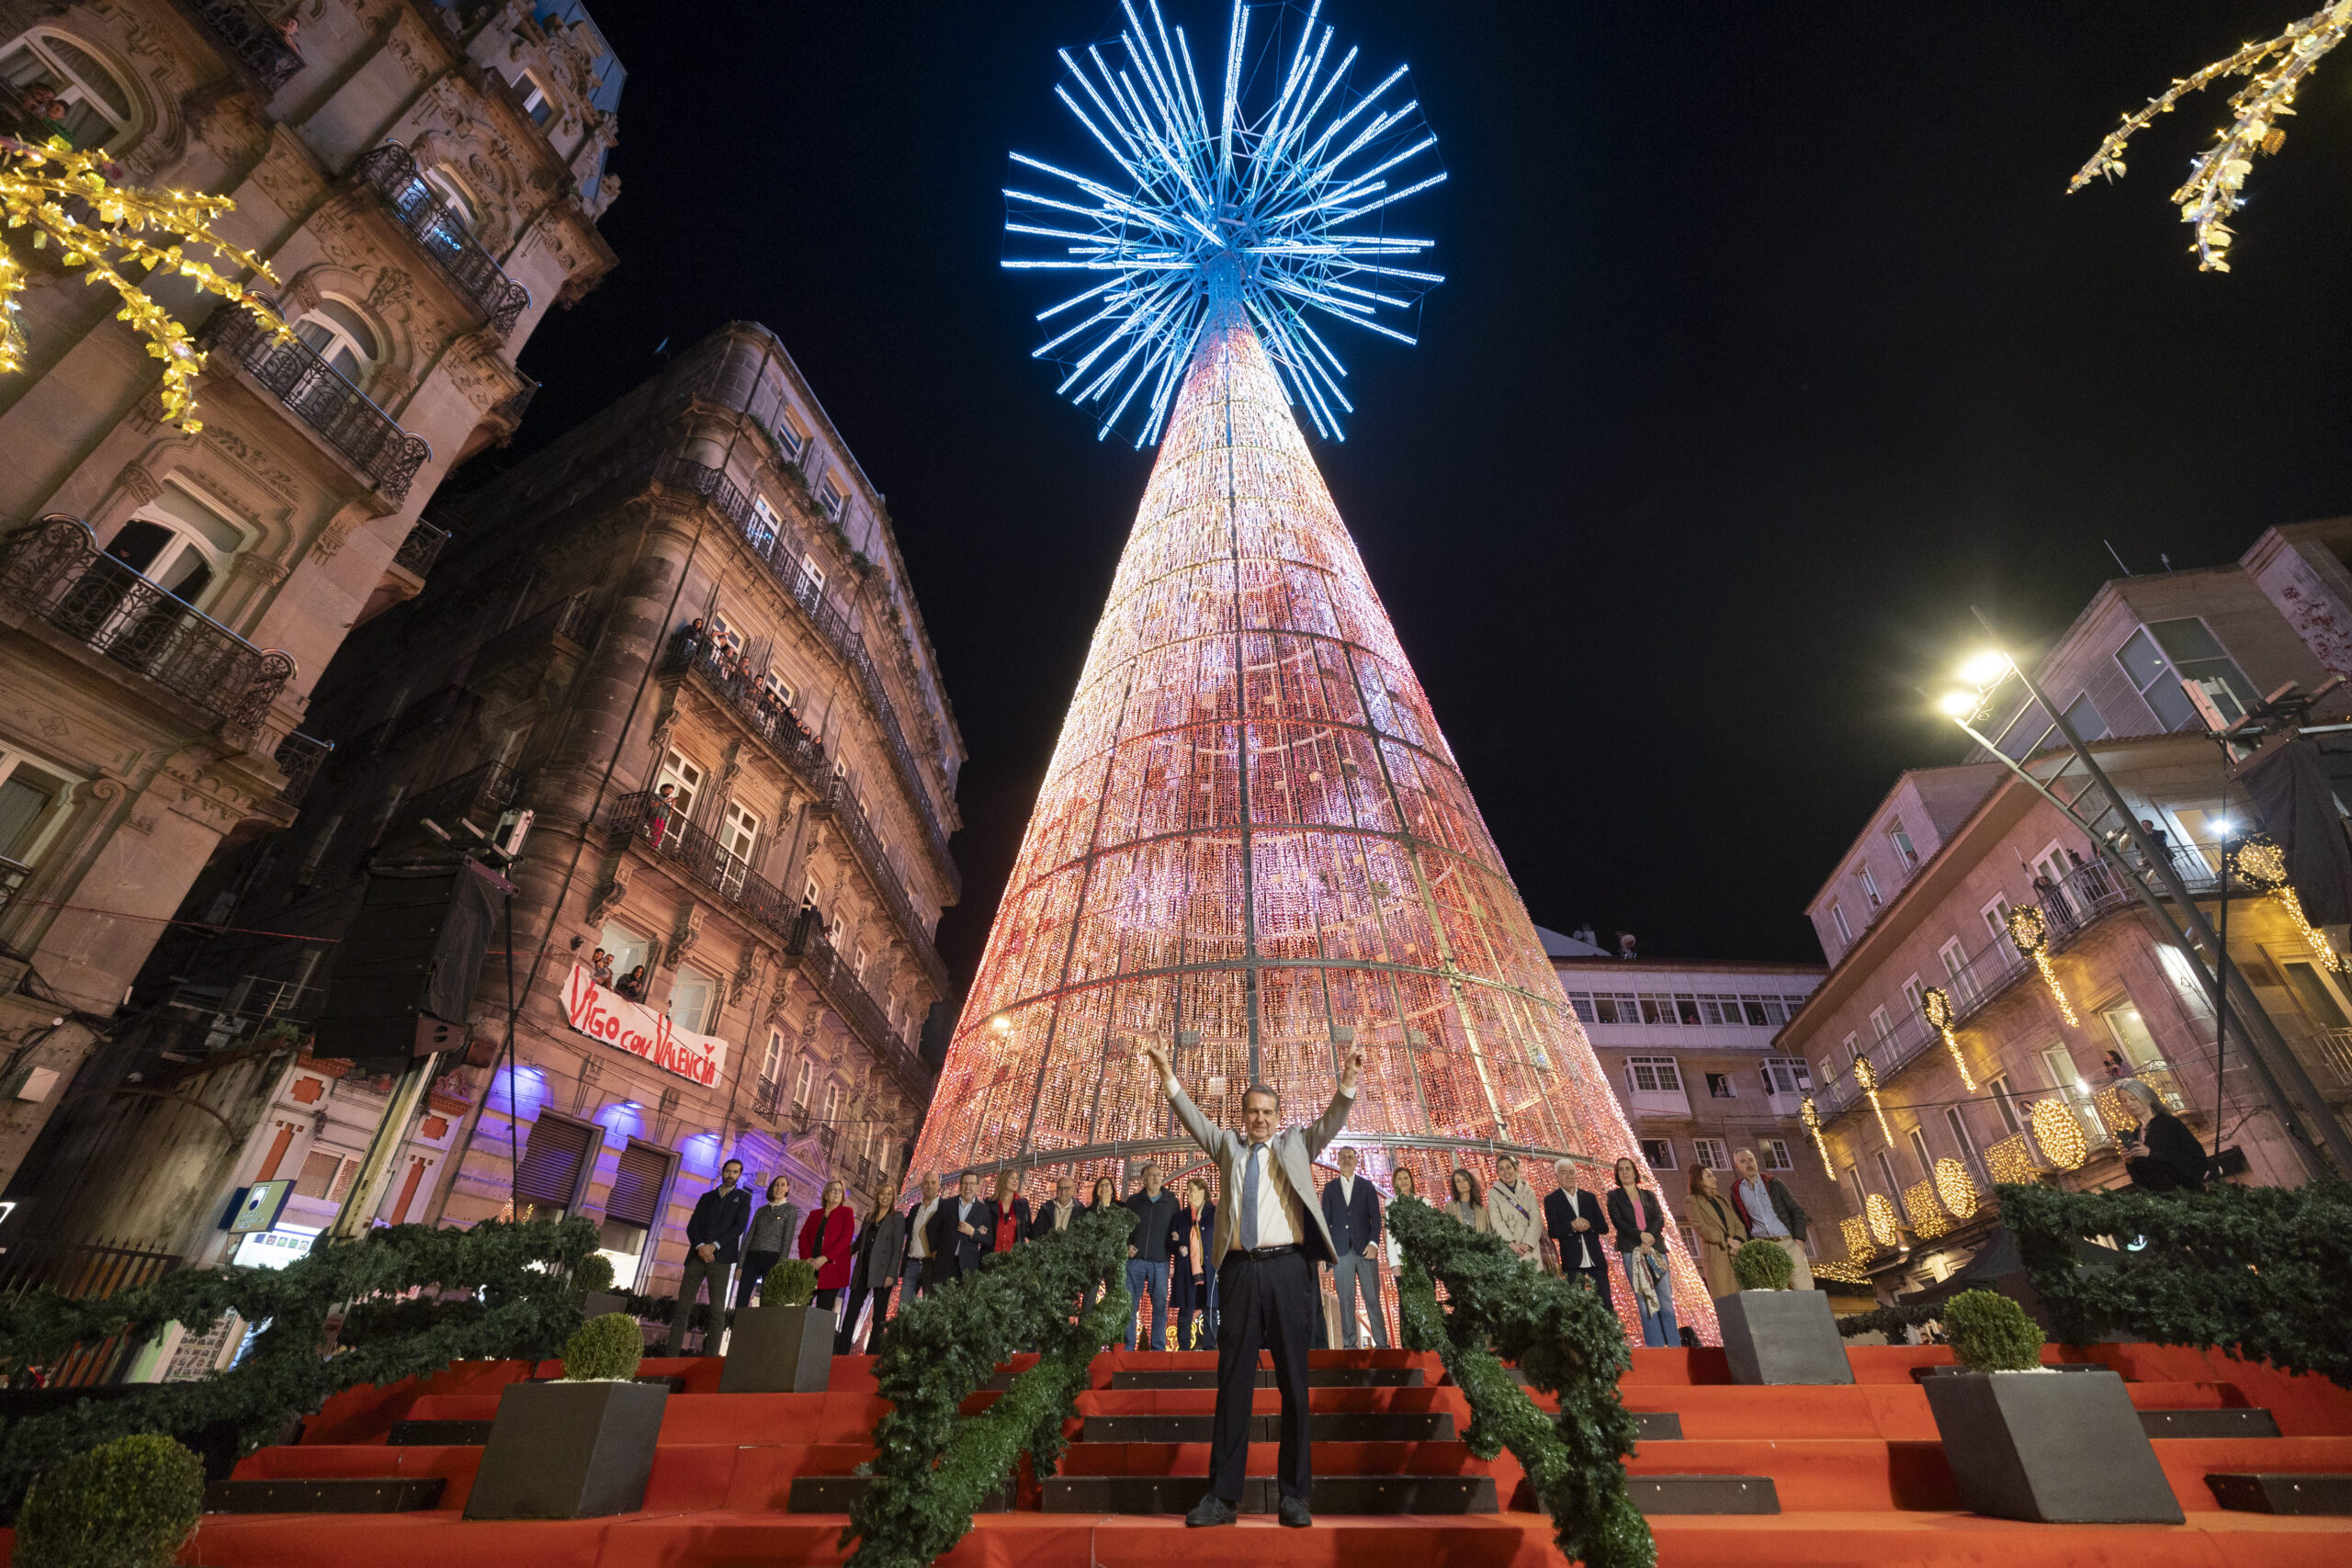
(55, 570)
(840, 803)
(486, 790)
(510, 407)
(13, 876)
(2331, 1050)
(775, 542)
(847, 995)
(442, 235)
(314, 393)
(2071, 905)
(698, 856)
(299, 757)
(769, 717)
(421, 549)
(81, 1272)
(250, 39)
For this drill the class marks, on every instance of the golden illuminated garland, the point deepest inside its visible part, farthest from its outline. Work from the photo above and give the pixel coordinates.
(2263, 865)
(2031, 934)
(1813, 1125)
(2118, 1109)
(1927, 1209)
(1937, 1005)
(2217, 177)
(1887, 1225)
(1956, 1188)
(69, 201)
(1866, 1079)
(2059, 1132)
(1859, 1244)
(2010, 1161)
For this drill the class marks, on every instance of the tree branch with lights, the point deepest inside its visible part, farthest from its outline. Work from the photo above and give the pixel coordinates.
(71, 202)
(2216, 183)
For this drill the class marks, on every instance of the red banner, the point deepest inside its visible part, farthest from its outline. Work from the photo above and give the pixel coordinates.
(604, 1015)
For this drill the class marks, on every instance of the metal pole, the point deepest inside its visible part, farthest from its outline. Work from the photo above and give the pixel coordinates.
(2272, 1057)
(392, 1130)
(2221, 1015)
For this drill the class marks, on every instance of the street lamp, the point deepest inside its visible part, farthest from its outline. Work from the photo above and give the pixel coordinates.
(2306, 1112)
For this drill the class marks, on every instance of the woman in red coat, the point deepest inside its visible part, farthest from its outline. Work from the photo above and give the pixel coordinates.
(826, 1239)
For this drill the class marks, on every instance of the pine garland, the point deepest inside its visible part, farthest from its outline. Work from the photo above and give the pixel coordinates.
(1890, 1321)
(527, 1308)
(2258, 1272)
(1566, 1342)
(932, 1469)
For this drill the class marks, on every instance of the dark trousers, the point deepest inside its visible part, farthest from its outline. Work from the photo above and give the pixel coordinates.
(755, 1272)
(1593, 1279)
(1264, 1303)
(827, 1298)
(851, 1300)
(690, 1285)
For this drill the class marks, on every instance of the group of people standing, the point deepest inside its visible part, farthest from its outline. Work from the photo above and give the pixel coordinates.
(853, 1263)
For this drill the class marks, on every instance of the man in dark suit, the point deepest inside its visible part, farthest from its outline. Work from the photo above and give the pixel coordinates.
(1352, 1214)
(1269, 1234)
(1579, 1227)
(714, 1245)
(962, 1230)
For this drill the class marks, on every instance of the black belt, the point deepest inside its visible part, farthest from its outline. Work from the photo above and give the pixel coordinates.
(1255, 1253)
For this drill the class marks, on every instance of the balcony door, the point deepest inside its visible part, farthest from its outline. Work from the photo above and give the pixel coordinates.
(738, 835)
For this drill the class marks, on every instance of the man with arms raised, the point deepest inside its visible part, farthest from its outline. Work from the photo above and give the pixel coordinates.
(1270, 1236)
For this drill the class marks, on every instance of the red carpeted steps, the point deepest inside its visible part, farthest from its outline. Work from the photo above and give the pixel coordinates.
(1856, 1470)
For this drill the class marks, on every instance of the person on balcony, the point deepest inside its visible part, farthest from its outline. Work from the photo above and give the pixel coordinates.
(1268, 1238)
(600, 968)
(1639, 1222)
(632, 984)
(714, 1244)
(829, 1239)
(657, 821)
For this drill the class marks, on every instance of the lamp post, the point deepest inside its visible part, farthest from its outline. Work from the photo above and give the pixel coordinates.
(2301, 1113)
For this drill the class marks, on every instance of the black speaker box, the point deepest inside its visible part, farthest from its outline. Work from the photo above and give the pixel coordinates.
(405, 972)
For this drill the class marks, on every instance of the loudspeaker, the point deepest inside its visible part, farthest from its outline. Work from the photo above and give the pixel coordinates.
(404, 973)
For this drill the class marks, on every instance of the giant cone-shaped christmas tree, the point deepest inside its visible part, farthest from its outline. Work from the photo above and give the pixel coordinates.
(1254, 842)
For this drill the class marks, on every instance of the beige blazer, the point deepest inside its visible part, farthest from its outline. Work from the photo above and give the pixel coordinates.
(1294, 1149)
(1517, 1217)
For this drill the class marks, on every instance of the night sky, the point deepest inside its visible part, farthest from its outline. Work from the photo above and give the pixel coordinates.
(1770, 343)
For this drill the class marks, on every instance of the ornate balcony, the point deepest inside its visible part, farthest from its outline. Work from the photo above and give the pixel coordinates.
(250, 39)
(698, 856)
(442, 235)
(769, 539)
(314, 394)
(54, 571)
(847, 995)
(421, 549)
(299, 757)
(480, 792)
(12, 879)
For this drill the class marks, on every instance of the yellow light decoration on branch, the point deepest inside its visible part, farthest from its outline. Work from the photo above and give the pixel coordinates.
(2031, 934)
(1813, 1125)
(1843, 1273)
(1927, 1210)
(2217, 177)
(2263, 865)
(2010, 1161)
(1937, 1005)
(1957, 1187)
(1887, 1225)
(69, 201)
(1859, 1244)
(1866, 1079)
(2059, 1132)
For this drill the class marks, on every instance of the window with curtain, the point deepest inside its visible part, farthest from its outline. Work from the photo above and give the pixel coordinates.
(65, 86)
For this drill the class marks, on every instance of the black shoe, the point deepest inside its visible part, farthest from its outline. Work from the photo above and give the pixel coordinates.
(1295, 1514)
(1210, 1509)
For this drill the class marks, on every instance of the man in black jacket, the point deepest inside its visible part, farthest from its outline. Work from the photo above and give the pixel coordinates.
(1574, 1220)
(962, 1230)
(1148, 1247)
(1351, 1212)
(714, 1245)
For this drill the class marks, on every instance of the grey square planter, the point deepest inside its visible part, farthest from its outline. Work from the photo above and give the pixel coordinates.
(2063, 1449)
(1783, 1336)
(779, 1350)
(568, 1450)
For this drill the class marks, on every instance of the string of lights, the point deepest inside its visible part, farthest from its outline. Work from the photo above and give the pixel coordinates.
(1937, 1005)
(2263, 863)
(2031, 932)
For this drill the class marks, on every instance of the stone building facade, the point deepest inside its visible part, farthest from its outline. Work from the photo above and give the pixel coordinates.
(779, 903)
(1921, 901)
(1689, 1047)
(424, 180)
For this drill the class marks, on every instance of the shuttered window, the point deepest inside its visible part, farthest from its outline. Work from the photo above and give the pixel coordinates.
(637, 1185)
(552, 1159)
(318, 1174)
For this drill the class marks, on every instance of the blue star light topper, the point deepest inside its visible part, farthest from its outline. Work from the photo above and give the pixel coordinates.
(1271, 214)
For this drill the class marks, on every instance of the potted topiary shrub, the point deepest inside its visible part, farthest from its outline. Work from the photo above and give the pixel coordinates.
(127, 1503)
(579, 1447)
(593, 1280)
(1775, 1335)
(784, 1345)
(2025, 1442)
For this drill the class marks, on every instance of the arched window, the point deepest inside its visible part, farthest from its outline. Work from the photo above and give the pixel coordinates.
(456, 196)
(62, 82)
(177, 543)
(343, 338)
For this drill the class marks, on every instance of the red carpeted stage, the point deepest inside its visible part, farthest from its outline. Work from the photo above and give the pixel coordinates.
(1857, 1474)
